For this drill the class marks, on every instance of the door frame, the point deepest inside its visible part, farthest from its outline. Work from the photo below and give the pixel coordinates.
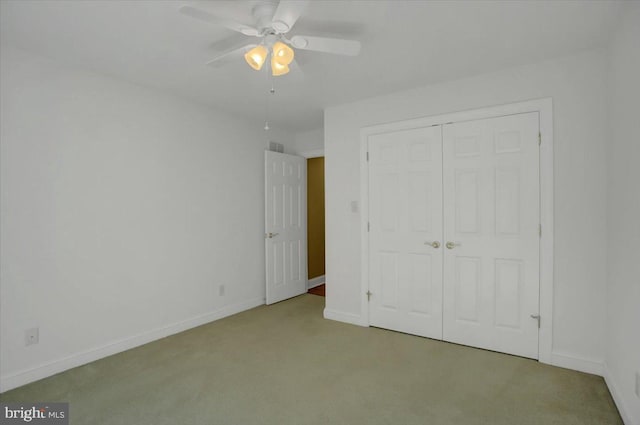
(544, 107)
(316, 281)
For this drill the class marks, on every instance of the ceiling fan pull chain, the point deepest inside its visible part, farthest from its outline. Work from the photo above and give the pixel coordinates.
(266, 113)
(271, 92)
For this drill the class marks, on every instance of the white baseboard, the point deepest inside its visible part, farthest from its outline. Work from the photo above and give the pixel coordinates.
(45, 370)
(614, 389)
(316, 281)
(576, 363)
(354, 319)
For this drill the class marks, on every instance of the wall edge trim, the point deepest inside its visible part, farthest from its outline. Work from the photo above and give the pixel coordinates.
(569, 361)
(339, 316)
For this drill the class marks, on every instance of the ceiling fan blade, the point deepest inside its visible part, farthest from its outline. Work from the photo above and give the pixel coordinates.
(212, 19)
(336, 46)
(230, 55)
(288, 12)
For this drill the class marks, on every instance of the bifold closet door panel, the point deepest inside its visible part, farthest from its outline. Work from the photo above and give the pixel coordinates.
(491, 233)
(405, 236)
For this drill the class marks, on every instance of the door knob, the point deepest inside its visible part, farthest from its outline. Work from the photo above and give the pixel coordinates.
(271, 235)
(434, 244)
(452, 245)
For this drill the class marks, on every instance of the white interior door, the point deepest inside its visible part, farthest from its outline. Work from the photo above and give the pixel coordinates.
(285, 225)
(491, 233)
(405, 236)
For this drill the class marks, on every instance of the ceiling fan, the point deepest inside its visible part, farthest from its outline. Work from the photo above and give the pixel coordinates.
(271, 22)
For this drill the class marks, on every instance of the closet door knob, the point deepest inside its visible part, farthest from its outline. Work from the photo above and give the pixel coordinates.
(452, 245)
(434, 244)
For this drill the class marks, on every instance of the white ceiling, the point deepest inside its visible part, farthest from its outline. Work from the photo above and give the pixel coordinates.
(405, 44)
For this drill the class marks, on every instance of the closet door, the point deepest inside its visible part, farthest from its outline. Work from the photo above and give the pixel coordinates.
(405, 236)
(491, 233)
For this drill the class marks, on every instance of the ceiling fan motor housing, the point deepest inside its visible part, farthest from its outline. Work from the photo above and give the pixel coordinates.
(263, 14)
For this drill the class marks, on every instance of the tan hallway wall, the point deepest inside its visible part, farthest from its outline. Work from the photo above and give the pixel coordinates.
(315, 216)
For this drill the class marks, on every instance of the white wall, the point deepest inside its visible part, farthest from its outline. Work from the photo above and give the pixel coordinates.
(623, 292)
(123, 209)
(309, 142)
(576, 85)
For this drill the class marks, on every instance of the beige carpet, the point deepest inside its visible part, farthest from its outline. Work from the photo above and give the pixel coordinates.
(285, 364)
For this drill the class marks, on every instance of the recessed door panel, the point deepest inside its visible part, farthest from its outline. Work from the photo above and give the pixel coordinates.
(420, 284)
(467, 288)
(388, 201)
(508, 293)
(389, 275)
(277, 263)
(507, 196)
(420, 201)
(466, 202)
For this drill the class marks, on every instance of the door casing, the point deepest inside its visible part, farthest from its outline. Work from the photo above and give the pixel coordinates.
(545, 109)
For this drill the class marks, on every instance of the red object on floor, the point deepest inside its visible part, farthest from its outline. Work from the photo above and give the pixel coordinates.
(318, 290)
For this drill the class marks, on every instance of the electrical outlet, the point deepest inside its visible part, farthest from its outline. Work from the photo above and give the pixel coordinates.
(31, 336)
(221, 290)
(638, 384)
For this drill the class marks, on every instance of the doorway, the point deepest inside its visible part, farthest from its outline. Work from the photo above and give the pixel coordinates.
(315, 226)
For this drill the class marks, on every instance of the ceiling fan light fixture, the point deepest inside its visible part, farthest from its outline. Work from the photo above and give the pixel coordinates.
(278, 68)
(256, 57)
(282, 53)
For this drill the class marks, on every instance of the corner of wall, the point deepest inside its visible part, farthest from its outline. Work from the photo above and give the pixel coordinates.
(622, 347)
(616, 394)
